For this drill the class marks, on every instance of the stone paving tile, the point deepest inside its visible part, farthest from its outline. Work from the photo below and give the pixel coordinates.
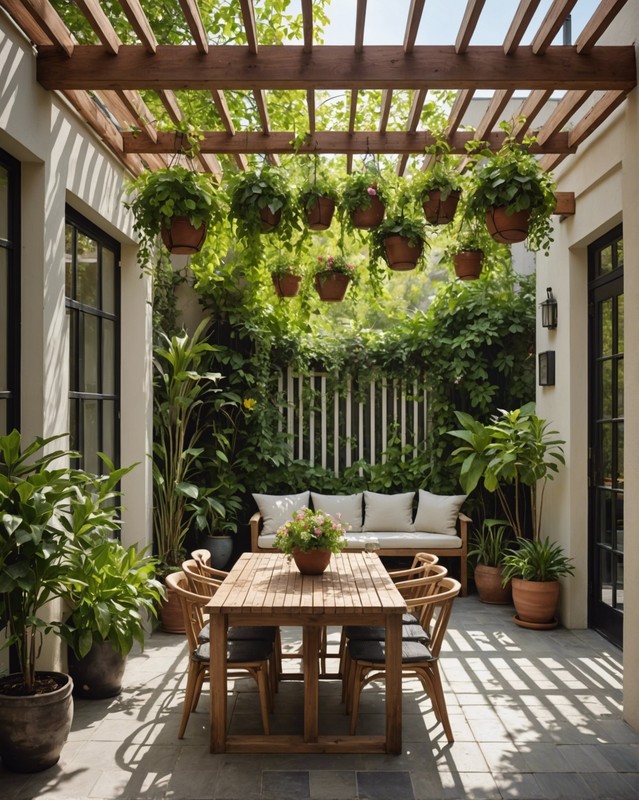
(277, 785)
(563, 786)
(622, 757)
(584, 758)
(384, 786)
(333, 785)
(522, 786)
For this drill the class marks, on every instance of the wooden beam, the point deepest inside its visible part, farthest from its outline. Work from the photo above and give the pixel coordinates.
(100, 23)
(551, 25)
(468, 25)
(307, 24)
(525, 12)
(46, 18)
(565, 204)
(25, 20)
(360, 23)
(564, 110)
(460, 105)
(357, 142)
(250, 26)
(606, 68)
(412, 24)
(528, 110)
(140, 24)
(387, 98)
(493, 112)
(310, 105)
(191, 12)
(603, 15)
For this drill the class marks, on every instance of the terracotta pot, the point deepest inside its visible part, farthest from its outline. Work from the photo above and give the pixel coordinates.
(438, 211)
(270, 221)
(369, 217)
(286, 285)
(98, 674)
(34, 728)
(320, 215)
(182, 238)
(400, 254)
(488, 583)
(507, 228)
(170, 613)
(331, 286)
(536, 602)
(313, 562)
(468, 264)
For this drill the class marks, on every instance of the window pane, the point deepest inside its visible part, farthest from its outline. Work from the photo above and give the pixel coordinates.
(108, 357)
(620, 388)
(91, 446)
(605, 577)
(619, 583)
(74, 444)
(4, 320)
(87, 270)
(606, 389)
(3, 418)
(605, 260)
(4, 203)
(89, 366)
(605, 523)
(606, 327)
(619, 476)
(68, 261)
(620, 342)
(108, 428)
(620, 253)
(108, 281)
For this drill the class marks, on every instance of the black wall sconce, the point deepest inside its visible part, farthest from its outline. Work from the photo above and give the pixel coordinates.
(547, 368)
(549, 310)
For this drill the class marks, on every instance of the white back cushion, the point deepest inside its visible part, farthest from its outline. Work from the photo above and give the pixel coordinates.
(437, 513)
(346, 508)
(388, 512)
(276, 509)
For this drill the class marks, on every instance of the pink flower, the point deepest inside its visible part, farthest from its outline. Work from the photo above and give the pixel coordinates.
(372, 191)
(317, 531)
(330, 260)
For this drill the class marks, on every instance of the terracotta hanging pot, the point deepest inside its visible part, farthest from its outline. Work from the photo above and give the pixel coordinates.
(270, 220)
(312, 562)
(370, 217)
(286, 285)
(536, 603)
(438, 211)
(331, 286)
(489, 587)
(181, 238)
(320, 215)
(400, 254)
(468, 264)
(507, 228)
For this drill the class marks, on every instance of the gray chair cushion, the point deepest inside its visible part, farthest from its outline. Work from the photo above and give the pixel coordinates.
(375, 652)
(238, 652)
(411, 632)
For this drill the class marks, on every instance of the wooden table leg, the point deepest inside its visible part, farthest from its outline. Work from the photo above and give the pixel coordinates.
(218, 627)
(311, 648)
(393, 684)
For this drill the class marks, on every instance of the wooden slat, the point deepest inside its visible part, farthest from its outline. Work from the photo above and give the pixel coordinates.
(387, 98)
(351, 128)
(602, 109)
(250, 26)
(47, 19)
(191, 12)
(551, 25)
(138, 108)
(307, 24)
(460, 105)
(223, 110)
(209, 162)
(529, 109)
(606, 68)
(468, 25)
(360, 24)
(412, 24)
(310, 105)
(562, 113)
(493, 112)
(358, 142)
(26, 22)
(262, 110)
(140, 24)
(100, 23)
(525, 12)
(603, 15)
(419, 98)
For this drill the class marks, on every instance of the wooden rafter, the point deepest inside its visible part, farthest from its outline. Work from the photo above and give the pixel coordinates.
(172, 106)
(250, 26)
(191, 12)
(497, 104)
(606, 68)
(528, 111)
(603, 15)
(307, 24)
(262, 110)
(419, 98)
(412, 24)
(47, 19)
(360, 24)
(468, 25)
(310, 105)
(140, 24)
(460, 106)
(566, 107)
(551, 25)
(352, 114)
(219, 100)
(387, 99)
(100, 23)
(139, 111)
(26, 21)
(525, 12)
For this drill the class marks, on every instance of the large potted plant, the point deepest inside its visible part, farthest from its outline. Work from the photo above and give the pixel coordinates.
(364, 199)
(46, 513)
(488, 549)
(514, 195)
(399, 240)
(514, 456)
(177, 203)
(114, 590)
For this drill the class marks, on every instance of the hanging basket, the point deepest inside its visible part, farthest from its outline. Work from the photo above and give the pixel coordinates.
(320, 215)
(507, 228)
(286, 285)
(181, 238)
(400, 254)
(270, 220)
(331, 286)
(468, 264)
(370, 217)
(438, 211)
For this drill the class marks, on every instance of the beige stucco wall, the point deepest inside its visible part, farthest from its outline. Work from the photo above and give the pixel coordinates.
(62, 162)
(605, 179)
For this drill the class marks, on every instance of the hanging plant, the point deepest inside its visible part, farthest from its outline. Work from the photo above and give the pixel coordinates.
(333, 276)
(400, 241)
(364, 198)
(286, 274)
(260, 202)
(317, 199)
(439, 188)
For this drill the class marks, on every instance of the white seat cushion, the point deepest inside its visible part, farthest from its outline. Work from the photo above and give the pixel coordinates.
(346, 508)
(396, 540)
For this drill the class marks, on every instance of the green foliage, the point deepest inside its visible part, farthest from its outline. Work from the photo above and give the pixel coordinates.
(489, 544)
(359, 187)
(442, 177)
(534, 560)
(285, 264)
(48, 514)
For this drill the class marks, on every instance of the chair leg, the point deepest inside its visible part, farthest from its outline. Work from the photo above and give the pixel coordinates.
(355, 689)
(189, 696)
(262, 687)
(441, 700)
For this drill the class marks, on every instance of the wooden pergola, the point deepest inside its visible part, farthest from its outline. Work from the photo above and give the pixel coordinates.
(103, 81)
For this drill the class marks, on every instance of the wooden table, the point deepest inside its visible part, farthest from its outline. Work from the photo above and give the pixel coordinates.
(265, 589)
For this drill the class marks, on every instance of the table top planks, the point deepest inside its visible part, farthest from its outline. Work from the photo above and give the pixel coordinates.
(267, 583)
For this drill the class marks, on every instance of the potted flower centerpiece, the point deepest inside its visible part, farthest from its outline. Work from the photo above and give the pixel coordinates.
(333, 276)
(400, 240)
(176, 202)
(364, 200)
(310, 538)
(514, 195)
(286, 274)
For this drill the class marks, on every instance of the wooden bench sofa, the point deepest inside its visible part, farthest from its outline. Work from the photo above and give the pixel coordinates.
(436, 525)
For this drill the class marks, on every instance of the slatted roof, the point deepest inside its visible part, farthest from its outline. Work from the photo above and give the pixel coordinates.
(105, 80)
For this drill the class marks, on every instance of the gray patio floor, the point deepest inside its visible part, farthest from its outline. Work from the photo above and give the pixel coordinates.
(535, 715)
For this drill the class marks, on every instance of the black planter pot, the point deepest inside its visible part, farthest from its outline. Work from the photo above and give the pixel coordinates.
(98, 674)
(34, 728)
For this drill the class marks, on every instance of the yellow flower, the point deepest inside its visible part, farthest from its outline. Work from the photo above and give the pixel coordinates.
(250, 403)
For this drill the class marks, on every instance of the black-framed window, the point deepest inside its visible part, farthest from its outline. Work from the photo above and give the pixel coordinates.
(93, 308)
(9, 293)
